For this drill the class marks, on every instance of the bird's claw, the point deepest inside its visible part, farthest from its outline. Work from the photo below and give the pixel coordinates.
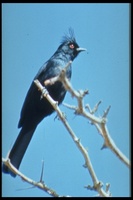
(44, 92)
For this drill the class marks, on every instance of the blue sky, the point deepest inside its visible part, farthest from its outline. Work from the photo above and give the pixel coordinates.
(31, 33)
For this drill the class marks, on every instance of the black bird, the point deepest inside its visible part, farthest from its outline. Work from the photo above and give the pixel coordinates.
(34, 108)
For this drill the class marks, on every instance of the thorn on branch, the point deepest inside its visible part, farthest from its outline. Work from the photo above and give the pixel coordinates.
(85, 165)
(106, 112)
(94, 109)
(107, 187)
(104, 146)
(89, 187)
(86, 92)
(88, 107)
(94, 187)
(58, 118)
(41, 177)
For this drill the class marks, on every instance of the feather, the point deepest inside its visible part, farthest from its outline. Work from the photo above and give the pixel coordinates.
(69, 37)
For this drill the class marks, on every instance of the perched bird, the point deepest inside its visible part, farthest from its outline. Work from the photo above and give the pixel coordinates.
(35, 108)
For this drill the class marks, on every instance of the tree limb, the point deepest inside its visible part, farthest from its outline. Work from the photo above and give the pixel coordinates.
(41, 185)
(100, 123)
(96, 182)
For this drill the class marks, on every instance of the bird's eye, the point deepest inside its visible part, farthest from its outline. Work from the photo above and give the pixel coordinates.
(71, 46)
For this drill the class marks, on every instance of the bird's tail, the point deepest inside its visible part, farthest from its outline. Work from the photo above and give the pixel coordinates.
(19, 148)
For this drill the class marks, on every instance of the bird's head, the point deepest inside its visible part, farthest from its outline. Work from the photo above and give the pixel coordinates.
(69, 46)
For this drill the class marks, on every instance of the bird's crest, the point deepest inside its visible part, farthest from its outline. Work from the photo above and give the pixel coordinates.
(69, 37)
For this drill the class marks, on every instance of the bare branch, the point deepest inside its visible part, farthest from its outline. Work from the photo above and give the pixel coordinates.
(84, 152)
(108, 142)
(97, 121)
(80, 109)
(41, 185)
(102, 129)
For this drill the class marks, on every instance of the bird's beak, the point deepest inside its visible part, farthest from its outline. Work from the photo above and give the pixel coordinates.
(81, 49)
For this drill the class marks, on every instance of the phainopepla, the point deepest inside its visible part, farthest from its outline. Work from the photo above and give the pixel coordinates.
(34, 108)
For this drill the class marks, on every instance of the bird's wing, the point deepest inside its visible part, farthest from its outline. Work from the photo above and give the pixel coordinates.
(49, 70)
